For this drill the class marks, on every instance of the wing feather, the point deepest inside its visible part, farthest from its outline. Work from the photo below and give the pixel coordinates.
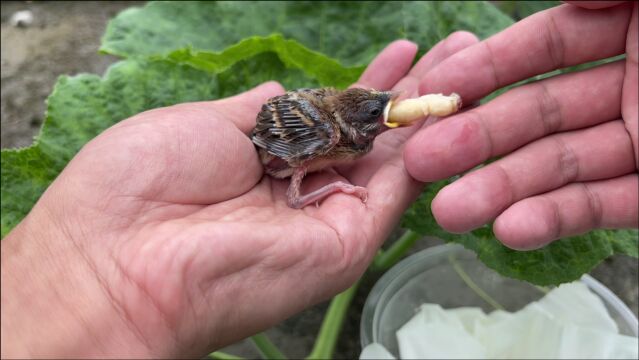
(294, 128)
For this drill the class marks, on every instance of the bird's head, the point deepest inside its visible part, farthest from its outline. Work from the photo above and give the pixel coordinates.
(359, 111)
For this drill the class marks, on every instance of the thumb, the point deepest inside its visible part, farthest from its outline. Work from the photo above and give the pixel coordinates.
(242, 109)
(593, 5)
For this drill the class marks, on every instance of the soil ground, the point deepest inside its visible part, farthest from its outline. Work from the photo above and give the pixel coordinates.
(63, 39)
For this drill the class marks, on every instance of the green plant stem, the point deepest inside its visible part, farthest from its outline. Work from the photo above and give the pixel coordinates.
(332, 324)
(385, 259)
(543, 289)
(266, 347)
(471, 284)
(224, 356)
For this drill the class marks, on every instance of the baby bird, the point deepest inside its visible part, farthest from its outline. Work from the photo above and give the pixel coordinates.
(307, 130)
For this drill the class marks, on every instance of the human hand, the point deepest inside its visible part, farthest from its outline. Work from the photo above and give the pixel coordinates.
(163, 238)
(569, 143)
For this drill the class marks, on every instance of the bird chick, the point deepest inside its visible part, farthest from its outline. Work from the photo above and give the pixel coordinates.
(307, 130)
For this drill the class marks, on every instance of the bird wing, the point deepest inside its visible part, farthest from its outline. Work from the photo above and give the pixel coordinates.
(295, 127)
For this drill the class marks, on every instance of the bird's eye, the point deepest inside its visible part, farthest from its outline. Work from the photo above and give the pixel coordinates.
(376, 112)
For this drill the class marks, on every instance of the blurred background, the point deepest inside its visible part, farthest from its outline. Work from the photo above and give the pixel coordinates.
(55, 38)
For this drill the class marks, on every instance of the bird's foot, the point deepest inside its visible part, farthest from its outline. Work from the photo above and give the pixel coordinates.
(298, 202)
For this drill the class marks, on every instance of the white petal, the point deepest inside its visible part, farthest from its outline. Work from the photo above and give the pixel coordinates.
(585, 343)
(574, 303)
(472, 318)
(530, 333)
(569, 322)
(376, 351)
(434, 334)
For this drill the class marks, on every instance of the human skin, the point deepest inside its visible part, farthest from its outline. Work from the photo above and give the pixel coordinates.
(162, 237)
(568, 144)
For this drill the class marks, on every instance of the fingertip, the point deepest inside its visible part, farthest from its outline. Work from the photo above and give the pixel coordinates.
(405, 46)
(460, 40)
(256, 96)
(241, 109)
(389, 66)
(439, 81)
(450, 211)
(595, 5)
(445, 48)
(442, 213)
(269, 88)
(526, 225)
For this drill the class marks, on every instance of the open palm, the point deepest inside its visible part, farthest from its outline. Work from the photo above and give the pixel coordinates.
(194, 246)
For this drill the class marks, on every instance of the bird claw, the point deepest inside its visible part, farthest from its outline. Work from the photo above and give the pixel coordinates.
(321, 193)
(359, 191)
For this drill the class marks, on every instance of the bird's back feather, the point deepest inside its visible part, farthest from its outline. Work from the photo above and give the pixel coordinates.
(297, 126)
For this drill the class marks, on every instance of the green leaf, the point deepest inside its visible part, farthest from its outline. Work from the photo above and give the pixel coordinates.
(81, 107)
(332, 324)
(350, 32)
(266, 347)
(561, 261)
(315, 65)
(521, 9)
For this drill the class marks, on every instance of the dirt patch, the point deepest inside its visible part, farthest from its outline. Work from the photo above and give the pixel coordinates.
(63, 39)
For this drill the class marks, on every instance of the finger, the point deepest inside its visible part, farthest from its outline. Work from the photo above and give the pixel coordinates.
(519, 116)
(570, 210)
(453, 43)
(629, 104)
(391, 188)
(242, 109)
(390, 143)
(408, 85)
(389, 66)
(562, 36)
(601, 152)
(595, 4)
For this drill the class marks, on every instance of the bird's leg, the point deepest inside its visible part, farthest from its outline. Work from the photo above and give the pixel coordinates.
(298, 201)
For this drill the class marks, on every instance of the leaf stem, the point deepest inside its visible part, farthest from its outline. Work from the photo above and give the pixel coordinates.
(543, 289)
(266, 347)
(386, 259)
(224, 356)
(471, 284)
(332, 324)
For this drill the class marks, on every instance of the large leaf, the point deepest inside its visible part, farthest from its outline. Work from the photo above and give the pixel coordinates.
(327, 71)
(350, 32)
(81, 107)
(521, 9)
(562, 261)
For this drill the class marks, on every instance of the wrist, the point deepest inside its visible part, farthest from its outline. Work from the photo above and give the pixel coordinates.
(54, 303)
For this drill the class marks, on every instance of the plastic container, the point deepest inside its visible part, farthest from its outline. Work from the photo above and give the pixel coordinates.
(441, 275)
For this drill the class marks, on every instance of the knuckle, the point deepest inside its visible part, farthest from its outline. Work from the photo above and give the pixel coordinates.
(549, 109)
(567, 161)
(554, 43)
(594, 206)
